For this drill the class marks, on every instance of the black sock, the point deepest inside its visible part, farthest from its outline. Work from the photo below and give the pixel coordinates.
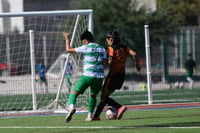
(99, 109)
(113, 103)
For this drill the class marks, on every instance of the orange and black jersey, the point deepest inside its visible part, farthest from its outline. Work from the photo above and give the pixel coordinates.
(119, 55)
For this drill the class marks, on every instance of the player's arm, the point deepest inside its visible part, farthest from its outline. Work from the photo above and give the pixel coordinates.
(110, 54)
(134, 56)
(109, 60)
(67, 43)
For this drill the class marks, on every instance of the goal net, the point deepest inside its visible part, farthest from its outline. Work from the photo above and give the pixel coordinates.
(29, 39)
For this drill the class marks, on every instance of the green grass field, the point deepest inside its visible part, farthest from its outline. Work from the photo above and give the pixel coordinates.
(176, 120)
(24, 102)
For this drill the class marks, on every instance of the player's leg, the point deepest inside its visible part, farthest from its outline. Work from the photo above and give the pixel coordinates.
(189, 79)
(40, 84)
(80, 86)
(121, 108)
(46, 85)
(117, 82)
(96, 85)
(71, 105)
(104, 95)
(189, 75)
(71, 111)
(113, 103)
(110, 85)
(68, 78)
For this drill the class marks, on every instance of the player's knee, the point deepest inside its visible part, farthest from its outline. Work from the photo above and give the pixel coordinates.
(74, 92)
(91, 95)
(104, 99)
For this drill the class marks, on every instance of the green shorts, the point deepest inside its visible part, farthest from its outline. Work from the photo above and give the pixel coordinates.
(84, 82)
(189, 74)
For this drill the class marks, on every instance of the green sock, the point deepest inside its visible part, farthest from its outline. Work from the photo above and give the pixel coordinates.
(91, 104)
(72, 99)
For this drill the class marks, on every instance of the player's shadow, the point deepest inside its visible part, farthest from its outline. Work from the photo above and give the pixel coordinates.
(103, 130)
(180, 124)
(165, 125)
(156, 117)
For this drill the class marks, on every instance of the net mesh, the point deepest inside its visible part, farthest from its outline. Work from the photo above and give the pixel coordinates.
(49, 48)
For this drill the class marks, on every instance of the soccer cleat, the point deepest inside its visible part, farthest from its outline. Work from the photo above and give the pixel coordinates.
(96, 119)
(88, 119)
(69, 115)
(121, 111)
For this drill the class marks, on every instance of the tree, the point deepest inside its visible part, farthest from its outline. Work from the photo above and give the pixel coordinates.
(115, 14)
(189, 9)
(124, 16)
(164, 23)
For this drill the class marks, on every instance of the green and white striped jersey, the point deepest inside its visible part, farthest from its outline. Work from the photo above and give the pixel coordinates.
(94, 54)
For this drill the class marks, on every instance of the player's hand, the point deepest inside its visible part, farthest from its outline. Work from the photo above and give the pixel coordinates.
(138, 67)
(66, 35)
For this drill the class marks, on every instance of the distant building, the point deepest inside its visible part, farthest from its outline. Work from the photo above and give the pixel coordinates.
(11, 24)
(17, 24)
(149, 5)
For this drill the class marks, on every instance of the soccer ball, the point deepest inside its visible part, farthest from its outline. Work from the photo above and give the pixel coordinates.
(111, 113)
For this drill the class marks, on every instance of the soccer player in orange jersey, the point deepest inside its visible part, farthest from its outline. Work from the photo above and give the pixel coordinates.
(116, 57)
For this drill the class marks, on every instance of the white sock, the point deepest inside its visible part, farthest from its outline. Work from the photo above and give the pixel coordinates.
(189, 79)
(89, 115)
(71, 106)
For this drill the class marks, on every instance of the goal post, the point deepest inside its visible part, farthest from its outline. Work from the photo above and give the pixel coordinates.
(66, 62)
(33, 83)
(39, 38)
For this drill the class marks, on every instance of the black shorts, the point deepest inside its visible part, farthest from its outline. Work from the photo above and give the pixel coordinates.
(43, 79)
(115, 81)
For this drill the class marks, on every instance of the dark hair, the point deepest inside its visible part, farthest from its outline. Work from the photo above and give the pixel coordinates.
(115, 36)
(88, 36)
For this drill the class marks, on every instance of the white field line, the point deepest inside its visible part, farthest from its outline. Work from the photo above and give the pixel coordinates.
(97, 127)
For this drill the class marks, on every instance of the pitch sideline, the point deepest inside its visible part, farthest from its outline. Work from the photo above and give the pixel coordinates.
(98, 127)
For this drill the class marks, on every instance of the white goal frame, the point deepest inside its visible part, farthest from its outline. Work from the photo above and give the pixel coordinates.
(88, 12)
(53, 106)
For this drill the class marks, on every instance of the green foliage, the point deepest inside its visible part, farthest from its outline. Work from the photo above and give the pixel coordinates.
(116, 14)
(129, 21)
(163, 23)
(188, 9)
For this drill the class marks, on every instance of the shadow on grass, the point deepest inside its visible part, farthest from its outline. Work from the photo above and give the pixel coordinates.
(182, 124)
(173, 116)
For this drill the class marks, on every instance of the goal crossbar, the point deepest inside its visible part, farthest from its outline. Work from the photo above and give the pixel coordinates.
(46, 13)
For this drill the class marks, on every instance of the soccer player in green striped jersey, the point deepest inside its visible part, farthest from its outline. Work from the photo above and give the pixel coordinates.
(93, 72)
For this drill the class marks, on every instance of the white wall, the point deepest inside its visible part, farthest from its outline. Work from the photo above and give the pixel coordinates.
(150, 5)
(11, 24)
